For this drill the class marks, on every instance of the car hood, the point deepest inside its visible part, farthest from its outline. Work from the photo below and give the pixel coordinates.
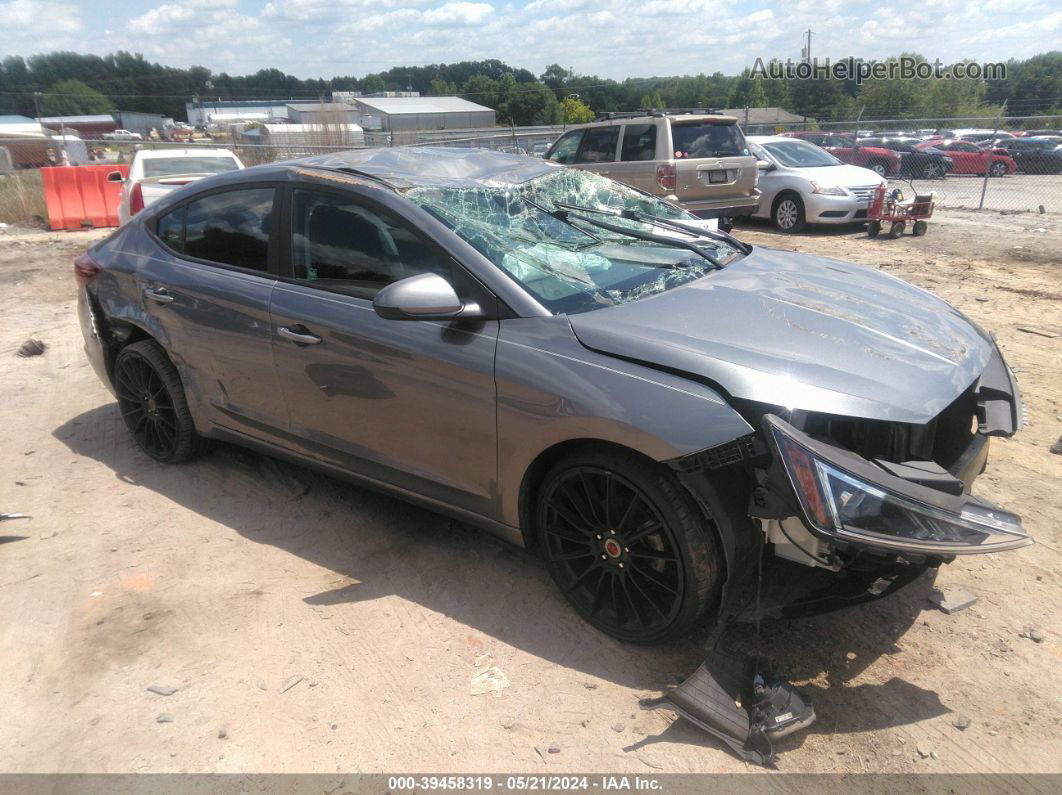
(802, 332)
(847, 176)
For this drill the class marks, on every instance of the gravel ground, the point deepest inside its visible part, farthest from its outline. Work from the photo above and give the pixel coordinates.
(238, 614)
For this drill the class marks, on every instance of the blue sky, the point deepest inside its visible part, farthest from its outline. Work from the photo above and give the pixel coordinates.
(618, 38)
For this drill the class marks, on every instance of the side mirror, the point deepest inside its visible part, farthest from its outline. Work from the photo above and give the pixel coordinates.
(115, 176)
(426, 296)
(765, 165)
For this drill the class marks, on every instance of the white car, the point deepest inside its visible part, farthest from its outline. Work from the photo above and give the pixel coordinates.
(155, 172)
(801, 183)
(122, 135)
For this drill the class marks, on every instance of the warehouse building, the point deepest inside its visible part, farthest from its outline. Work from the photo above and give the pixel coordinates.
(410, 114)
(321, 113)
(203, 112)
(86, 126)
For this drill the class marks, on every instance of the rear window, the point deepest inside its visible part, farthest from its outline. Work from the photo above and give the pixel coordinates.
(176, 166)
(705, 139)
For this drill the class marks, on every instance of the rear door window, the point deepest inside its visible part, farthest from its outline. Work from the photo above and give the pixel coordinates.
(639, 142)
(171, 229)
(599, 145)
(705, 139)
(565, 149)
(231, 228)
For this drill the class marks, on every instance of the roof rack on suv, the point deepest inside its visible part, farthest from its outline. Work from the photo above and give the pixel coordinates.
(610, 115)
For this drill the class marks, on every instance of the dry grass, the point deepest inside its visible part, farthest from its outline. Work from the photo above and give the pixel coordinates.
(22, 198)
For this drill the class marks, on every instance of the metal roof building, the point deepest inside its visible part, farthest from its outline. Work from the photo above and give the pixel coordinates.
(88, 126)
(407, 114)
(202, 112)
(321, 112)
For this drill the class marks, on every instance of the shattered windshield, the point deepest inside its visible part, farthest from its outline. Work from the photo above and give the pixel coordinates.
(549, 234)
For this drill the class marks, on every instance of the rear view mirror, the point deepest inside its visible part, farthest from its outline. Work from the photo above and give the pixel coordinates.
(426, 296)
(115, 176)
(764, 165)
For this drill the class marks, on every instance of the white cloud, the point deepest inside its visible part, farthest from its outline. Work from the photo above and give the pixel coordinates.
(452, 14)
(39, 17)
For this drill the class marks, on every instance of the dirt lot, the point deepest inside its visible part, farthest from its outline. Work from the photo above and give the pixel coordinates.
(231, 578)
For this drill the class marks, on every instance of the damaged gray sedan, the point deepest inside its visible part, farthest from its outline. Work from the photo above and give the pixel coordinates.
(574, 365)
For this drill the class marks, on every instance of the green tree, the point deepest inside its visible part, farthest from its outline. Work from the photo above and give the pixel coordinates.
(747, 92)
(575, 111)
(73, 98)
(442, 88)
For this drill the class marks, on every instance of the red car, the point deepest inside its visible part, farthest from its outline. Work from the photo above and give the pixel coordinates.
(969, 158)
(883, 162)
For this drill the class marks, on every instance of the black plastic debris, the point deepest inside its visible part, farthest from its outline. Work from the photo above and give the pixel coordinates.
(31, 347)
(730, 700)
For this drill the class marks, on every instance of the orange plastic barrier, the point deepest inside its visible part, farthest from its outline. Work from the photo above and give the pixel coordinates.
(79, 196)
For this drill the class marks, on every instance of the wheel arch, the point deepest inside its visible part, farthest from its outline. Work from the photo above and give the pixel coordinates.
(783, 193)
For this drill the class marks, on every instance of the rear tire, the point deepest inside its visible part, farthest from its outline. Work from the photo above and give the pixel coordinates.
(153, 405)
(628, 547)
(919, 228)
(788, 213)
(933, 171)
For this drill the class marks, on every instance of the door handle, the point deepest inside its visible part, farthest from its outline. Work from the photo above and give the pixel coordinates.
(158, 295)
(299, 335)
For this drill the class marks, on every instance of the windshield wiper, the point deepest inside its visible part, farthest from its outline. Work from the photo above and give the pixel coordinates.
(632, 215)
(595, 240)
(649, 237)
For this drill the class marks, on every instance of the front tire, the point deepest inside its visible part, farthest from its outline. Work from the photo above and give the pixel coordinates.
(629, 549)
(998, 170)
(152, 402)
(788, 213)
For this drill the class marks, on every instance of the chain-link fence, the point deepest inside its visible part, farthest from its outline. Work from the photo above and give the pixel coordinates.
(977, 163)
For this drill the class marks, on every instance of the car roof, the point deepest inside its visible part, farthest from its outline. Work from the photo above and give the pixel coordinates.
(408, 167)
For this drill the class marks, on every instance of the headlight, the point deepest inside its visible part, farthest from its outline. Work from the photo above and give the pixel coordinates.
(839, 503)
(828, 190)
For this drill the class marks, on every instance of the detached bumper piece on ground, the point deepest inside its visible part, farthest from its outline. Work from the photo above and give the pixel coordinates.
(727, 698)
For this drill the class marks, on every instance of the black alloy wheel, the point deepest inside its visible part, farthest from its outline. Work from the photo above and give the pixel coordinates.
(616, 558)
(152, 402)
(626, 546)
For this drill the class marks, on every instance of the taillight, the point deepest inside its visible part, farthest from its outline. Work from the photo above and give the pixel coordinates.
(136, 200)
(666, 177)
(85, 269)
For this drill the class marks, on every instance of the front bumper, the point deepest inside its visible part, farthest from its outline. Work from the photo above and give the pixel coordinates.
(823, 209)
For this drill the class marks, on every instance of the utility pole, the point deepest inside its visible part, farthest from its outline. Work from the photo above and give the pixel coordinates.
(37, 104)
(805, 51)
